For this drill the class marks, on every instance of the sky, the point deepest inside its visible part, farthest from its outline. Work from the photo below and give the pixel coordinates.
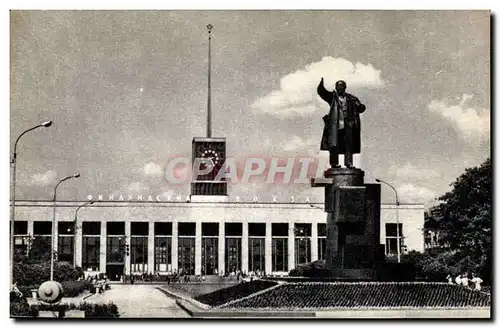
(127, 91)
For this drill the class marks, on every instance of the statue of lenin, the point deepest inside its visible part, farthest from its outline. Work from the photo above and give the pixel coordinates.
(342, 131)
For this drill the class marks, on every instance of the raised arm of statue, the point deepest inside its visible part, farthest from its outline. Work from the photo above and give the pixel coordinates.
(324, 94)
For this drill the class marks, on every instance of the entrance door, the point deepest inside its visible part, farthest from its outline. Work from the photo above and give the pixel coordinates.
(114, 271)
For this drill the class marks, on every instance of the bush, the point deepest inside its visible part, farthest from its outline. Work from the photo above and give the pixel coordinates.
(73, 288)
(313, 270)
(19, 306)
(26, 274)
(435, 267)
(109, 310)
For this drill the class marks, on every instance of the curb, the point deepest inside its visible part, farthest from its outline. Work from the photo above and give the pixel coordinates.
(196, 313)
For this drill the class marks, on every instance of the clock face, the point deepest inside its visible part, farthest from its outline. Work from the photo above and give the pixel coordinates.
(211, 154)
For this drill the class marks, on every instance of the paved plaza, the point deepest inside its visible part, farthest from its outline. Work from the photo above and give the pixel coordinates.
(140, 301)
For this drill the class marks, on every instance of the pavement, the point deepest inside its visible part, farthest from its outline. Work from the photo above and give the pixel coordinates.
(140, 301)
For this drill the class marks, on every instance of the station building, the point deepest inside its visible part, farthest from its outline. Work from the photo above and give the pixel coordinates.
(208, 235)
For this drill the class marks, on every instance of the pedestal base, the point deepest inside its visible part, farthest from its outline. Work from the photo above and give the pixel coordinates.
(353, 223)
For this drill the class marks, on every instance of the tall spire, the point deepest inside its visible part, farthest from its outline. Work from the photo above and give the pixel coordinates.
(209, 105)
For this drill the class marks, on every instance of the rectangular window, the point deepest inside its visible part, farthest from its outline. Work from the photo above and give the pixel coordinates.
(139, 228)
(163, 254)
(233, 229)
(139, 254)
(20, 227)
(257, 229)
(302, 250)
(280, 254)
(186, 253)
(233, 254)
(392, 239)
(256, 254)
(321, 229)
(115, 228)
(90, 253)
(391, 229)
(66, 228)
(187, 229)
(21, 245)
(321, 248)
(209, 229)
(91, 228)
(163, 228)
(115, 250)
(42, 228)
(279, 229)
(65, 249)
(209, 255)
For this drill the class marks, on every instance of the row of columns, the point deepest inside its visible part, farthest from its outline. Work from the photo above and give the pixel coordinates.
(198, 246)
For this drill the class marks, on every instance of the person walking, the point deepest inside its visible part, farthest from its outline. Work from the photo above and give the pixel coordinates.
(458, 280)
(465, 280)
(477, 282)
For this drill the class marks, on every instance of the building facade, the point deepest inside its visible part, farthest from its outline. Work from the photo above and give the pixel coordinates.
(198, 237)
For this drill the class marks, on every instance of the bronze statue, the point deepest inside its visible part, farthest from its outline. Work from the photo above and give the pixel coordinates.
(342, 131)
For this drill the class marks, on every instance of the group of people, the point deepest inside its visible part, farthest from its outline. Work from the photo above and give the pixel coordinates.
(100, 282)
(463, 280)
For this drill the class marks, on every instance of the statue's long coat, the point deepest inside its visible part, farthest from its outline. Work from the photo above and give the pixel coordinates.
(332, 136)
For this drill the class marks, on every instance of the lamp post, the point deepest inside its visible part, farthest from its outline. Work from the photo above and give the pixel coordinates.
(397, 218)
(13, 195)
(74, 176)
(75, 228)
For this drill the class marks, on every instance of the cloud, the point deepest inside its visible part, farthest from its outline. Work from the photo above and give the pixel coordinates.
(296, 143)
(153, 170)
(409, 192)
(408, 171)
(297, 94)
(472, 123)
(44, 179)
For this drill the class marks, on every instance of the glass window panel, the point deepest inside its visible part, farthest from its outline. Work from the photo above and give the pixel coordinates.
(90, 253)
(65, 248)
(139, 254)
(163, 254)
(20, 227)
(209, 256)
(186, 255)
(280, 254)
(256, 254)
(233, 254)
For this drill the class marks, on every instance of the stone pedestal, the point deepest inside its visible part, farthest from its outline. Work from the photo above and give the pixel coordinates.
(352, 223)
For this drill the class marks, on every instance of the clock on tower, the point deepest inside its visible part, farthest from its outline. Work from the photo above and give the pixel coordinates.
(215, 150)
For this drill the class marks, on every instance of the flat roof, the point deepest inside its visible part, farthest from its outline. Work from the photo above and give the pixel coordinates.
(154, 203)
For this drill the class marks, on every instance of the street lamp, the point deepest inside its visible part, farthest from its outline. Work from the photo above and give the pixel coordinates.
(13, 212)
(397, 219)
(75, 228)
(74, 176)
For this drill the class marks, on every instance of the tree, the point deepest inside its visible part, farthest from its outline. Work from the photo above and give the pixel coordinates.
(465, 214)
(40, 250)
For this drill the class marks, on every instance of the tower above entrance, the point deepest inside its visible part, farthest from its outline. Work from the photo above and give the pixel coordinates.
(205, 188)
(207, 151)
